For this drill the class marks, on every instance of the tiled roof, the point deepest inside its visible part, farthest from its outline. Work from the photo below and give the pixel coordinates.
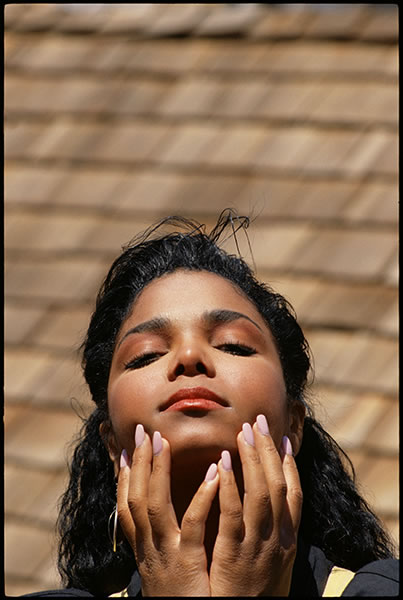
(119, 114)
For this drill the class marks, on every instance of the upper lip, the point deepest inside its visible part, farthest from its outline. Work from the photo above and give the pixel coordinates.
(190, 393)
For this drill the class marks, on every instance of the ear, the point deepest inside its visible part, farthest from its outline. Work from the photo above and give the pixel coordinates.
(296, 425)
(108, 438)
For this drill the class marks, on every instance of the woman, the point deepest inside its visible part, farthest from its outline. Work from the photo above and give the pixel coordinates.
(202, 471)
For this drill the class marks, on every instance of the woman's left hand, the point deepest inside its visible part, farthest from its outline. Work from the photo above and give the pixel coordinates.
(256, 543)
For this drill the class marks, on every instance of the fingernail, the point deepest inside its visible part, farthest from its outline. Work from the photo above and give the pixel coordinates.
(139, 435)
(211, 472)
(287, 448)
(248, 434)
(124, 459)
(262, 424)
(226, 460)
(157, 443)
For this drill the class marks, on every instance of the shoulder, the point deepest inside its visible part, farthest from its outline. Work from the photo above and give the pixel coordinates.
(379, 578)
(62, 593)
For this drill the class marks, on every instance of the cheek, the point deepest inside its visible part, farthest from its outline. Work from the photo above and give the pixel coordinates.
(128, 406)
(262, 390)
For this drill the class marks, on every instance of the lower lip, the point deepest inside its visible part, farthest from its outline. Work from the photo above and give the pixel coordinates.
(195, 404)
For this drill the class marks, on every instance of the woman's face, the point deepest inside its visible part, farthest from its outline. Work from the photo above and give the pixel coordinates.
(195, 360)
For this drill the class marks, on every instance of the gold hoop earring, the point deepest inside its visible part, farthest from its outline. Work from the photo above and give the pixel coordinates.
(115, 526)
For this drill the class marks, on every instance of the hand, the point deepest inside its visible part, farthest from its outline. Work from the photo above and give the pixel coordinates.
(171, 560)
(256, 543)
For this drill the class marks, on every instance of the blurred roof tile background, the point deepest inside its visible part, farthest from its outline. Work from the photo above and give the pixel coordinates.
(119, 114)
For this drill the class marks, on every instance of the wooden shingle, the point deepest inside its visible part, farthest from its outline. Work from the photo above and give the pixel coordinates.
(42, 440)
(53, 280)
(337, 22)
(341, 305)
(384, 436)
(19, 137)
(365, 361)
(63, 328)
(89, 188)
(359, 254)
(27, 548)
(29, 184)
(291, 100)
(177, 19)
(333, 59)
(281, 24)
(374, 202)
(122, 19)
(46, 233)
(236, 147)
(17, 480)
(51, 54)
(381, 476)
(188, 144)
(226, 21)
(19, 321)
(383, 26)
(19, 382)
(358, 102)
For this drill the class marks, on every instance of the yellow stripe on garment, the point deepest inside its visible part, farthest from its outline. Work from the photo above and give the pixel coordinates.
(122, 594)
(337, 581)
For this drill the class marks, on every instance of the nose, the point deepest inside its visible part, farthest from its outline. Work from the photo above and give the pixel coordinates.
(191, 359)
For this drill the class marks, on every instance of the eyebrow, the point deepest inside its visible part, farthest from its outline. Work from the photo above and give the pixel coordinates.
(153, 325)
(213, 317)
(218, 316)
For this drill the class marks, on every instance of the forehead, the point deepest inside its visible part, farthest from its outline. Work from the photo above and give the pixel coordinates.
(194, 292)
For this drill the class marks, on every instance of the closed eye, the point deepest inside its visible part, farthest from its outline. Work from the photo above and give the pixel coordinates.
(143, 360)
(237, 349)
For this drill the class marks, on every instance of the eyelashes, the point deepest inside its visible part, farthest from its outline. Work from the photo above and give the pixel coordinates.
(234, 348)
(143, 360)
(237, 349)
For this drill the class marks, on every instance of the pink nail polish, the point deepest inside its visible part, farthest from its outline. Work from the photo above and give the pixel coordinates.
(248, 434)
(211, 472)
(287, 448)
(139, 435)
(157, 443)
(262, 424)
(124, 459)
(226, 460)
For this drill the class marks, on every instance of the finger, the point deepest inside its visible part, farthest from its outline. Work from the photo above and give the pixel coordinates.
(194, 520)
(124, 515)
(256, 501)
(272, 467)
(160, 510)
(231, 525)
(294, 491)
(140, 471)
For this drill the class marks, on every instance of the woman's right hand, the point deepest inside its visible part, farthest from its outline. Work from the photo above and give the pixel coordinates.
(171, 560)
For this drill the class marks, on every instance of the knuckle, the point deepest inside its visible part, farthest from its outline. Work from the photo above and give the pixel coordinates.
(263, 498)
(254, 458)
(234, 513)
(270, 450)
(153, 511)
(133, 502)
(157, 468)
(122, 513)
(280, 488)
(297, 493)
(190, 520)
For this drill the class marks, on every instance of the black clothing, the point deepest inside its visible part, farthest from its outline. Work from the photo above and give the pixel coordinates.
(310, 574)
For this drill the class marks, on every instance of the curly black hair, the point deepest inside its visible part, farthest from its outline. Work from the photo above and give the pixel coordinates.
(335, 517)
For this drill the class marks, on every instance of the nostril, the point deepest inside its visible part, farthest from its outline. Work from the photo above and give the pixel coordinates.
(180, 369)
(201, 368)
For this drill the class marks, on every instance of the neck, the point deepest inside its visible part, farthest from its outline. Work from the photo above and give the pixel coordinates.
(184, 485)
